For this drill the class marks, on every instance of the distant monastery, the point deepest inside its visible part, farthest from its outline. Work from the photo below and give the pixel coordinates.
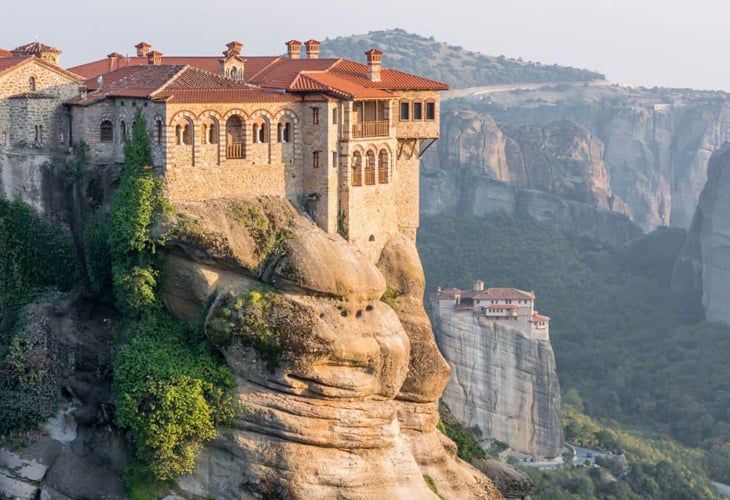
(508, 306)
(340, 139)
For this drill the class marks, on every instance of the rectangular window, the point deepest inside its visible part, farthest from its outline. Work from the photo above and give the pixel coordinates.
(405, 111)
(334, 116)
(315, 159)
(334, 159)
(430, 111)
(418, 111)
(315, 115)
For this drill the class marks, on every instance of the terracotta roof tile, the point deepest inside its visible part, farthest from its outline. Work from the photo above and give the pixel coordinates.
(539, 317)
(390, 79)
(7, 63)
(5, 53)
(495, 293)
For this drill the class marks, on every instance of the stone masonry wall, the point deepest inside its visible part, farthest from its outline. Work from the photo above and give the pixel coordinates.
(20, 116)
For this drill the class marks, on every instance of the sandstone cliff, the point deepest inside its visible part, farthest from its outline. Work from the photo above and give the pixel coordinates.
(336, 390)
(703, 267)
(502, 383)
(555, 174)
(638, 152)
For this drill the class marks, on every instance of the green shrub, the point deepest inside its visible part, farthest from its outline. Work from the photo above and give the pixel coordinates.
(466, 443)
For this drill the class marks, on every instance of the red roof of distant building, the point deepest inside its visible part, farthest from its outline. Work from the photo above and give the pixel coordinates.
(5, 53)
(10, 63)
(494, 293)
(539, 317)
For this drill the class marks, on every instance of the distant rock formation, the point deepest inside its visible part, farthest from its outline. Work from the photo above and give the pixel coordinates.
(554, 174)
(503, 380)
(637, 152)
(703, 267)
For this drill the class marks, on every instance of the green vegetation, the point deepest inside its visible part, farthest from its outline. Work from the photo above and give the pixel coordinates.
(172, 388)
(626, 348)
(36, 256)
(453, 65)
(466, 443)
(248, 318)
(432, 485)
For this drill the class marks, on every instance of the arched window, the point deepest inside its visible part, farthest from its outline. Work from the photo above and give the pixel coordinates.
(31, 84)
(417, 110)
(124, 131)
(235, 138)
(134, 127)
(212, 134)
(356, 169)
(187, 135)
(287, 132)
(370, 168)
(262, 133)
(159, 131)
(234, 73)
(383, 174)
(405, 108)
(178, 135)
(106, 131)
(430, 110)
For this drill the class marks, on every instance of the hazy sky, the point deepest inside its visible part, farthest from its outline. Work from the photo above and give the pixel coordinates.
(679, 43)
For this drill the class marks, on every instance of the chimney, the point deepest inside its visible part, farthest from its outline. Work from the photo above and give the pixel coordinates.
(114, 59)
(374, 59)
(312, 47)
(478, 286)
(234, 49)
(142, 48)
(294, 49)
(154, 57)
(83, 92)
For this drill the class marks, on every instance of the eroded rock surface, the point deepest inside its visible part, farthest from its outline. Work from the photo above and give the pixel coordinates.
(703, 267)
(336, 389)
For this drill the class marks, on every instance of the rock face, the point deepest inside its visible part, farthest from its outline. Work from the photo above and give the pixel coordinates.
(502, 383)
(79, 454)
(642, 153)
(704, 264)
(336, 390)
(555, 174)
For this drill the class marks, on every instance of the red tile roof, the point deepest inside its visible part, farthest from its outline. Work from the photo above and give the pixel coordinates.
(10, 63)
(179, 84)
(35, 48)
(539, 317)
(340, 77)
(495, 293)
(7, 63)
(5, 53)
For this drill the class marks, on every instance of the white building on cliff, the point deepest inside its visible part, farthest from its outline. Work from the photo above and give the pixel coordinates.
(510, 306)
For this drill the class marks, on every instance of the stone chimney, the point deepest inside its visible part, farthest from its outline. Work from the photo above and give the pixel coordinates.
(374, 59)
(478, 286)
(114, 59)
(142, 48)
(312, 48)
(154, 57)
(234, 49)
(294, 49)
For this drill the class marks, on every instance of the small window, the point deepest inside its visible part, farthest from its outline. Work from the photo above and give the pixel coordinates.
(418, 110)
(334, 116)
(212, 134)
(430, 110)
(106, 131)
(159, 131)
(262, 133)
(356, 169)
(334, 159)
(187, 135)
(370, 168)
(39, 134)
(405, 108)
(124, 130)
(315, 116)
(31, 84)
(315, 159)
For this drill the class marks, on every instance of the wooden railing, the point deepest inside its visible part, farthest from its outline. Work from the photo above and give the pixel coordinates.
(383, 175)
(234, 150)
(370, 129)
(369, 176)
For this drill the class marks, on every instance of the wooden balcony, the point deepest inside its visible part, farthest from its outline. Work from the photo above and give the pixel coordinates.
(370, 129)
(234, 150)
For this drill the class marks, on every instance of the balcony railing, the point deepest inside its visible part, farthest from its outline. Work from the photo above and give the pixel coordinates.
(370, 129)
(383, 175)
(234, 150)
(369, 176)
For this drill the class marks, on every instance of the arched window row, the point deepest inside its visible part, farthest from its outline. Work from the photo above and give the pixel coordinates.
(417, 110)
(367, 175)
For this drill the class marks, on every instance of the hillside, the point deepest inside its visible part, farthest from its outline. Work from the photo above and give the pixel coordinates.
(452, 64)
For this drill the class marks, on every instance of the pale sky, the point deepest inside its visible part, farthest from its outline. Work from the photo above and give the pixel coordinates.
(672, 43)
